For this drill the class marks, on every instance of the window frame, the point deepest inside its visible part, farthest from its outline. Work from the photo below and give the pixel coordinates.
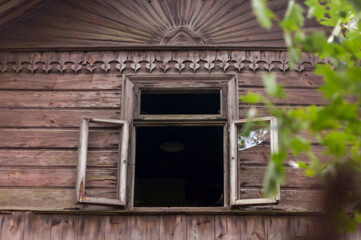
(131, 119)
(228, 85)
(122, 163)
(235, 188)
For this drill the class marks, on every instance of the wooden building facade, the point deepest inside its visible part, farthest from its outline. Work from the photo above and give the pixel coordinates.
(61, 61)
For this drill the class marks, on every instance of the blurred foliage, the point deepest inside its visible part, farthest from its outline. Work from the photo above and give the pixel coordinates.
(337, 125)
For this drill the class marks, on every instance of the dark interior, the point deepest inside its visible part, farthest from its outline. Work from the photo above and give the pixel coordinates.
(180, 102)
(190, 175)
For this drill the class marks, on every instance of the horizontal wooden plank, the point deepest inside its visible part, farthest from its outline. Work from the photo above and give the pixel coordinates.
(295, 178)
(60, 81)
(65, 177)
(259, 155)
(56, 177)
(56, 138)
(53, 199)
(51, 117)
(29, 198)
(294, 96)
(49, 158)
(291, 199)
(60, 99)
(287, 79)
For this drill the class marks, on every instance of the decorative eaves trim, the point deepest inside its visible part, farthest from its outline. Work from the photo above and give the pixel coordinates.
(149, 61)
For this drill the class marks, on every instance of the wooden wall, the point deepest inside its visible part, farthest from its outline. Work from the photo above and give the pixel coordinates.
(43, 98)
(29, 226)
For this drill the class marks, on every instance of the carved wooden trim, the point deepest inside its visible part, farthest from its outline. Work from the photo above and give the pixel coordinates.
(151, 61)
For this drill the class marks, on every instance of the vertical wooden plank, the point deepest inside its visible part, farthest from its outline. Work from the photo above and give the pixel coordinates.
(117, 227)
(301, 224)
(227, 227)
(280, 228)
(200, 227)
(12, 226)
(253, 227)
(37, 226)
(144, 227)
(173, 227)
(64, 227)
(91, 227)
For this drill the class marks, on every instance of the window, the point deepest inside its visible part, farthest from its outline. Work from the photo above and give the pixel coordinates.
(122, 163)
(185, 144)
(262, 135)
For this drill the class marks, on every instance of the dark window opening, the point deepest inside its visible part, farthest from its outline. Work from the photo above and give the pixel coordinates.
(179, 167)
(180, 102)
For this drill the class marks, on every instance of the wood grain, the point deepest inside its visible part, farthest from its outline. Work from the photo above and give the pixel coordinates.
(56, 177)
(12, 226)
(56, 138)
(259, 155)
(61, 198)
(56, 226)
(59, 82)
(253, 227)
(144, 227)
(37, 227)
(59, 158)
(293, 96)
(296, 178)
(64, 227)
(117, 227)
(287, 79)
(200, 227)
(51, 198)
(173, 227)
(280, 228)
(60, 99)
(118, 24)
(91, 227)
(50, 117)
(227, 228)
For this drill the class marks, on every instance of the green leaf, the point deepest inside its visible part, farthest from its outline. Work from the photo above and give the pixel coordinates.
(272, 88)
(275, 174)
(294, 19)
(252, 98)
(299, 145)
(264, 15)
(302, 165)
(356, 4)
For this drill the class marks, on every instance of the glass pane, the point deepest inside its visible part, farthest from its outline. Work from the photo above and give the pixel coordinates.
(253, 142)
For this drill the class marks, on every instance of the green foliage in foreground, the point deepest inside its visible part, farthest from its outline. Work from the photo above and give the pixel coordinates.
(337, 126)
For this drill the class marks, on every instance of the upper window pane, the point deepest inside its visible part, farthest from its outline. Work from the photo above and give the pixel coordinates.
(180, 102)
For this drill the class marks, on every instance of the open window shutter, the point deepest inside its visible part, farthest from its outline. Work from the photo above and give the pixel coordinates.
(250, 147)
(122, 163)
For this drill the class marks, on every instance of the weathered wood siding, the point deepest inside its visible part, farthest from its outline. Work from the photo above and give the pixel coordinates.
(26, 226)
(42, 100)
(88, 24)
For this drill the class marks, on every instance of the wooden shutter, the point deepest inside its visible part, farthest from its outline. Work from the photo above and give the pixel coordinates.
(249, 153)
(122, 164)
